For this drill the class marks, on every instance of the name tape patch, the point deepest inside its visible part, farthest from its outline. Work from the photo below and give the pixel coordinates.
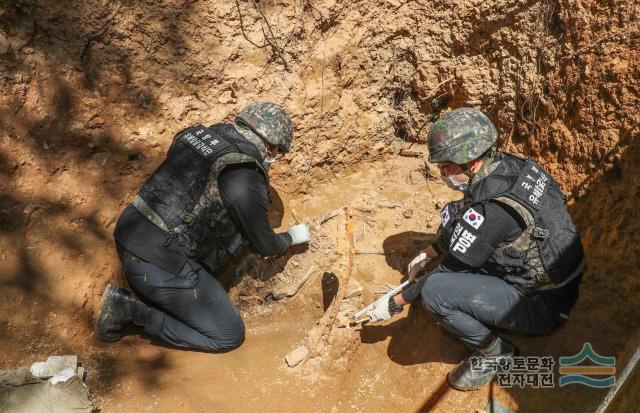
(462, 239)
(532, 185)
(201, 139)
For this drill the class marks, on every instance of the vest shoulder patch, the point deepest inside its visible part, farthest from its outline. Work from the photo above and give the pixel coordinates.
(445, 215)
(473, 218)
(462, 239)
(468, 246)
(202, 140)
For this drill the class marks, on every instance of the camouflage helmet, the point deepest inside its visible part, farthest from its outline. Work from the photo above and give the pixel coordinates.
(269, 121)
(461, 136)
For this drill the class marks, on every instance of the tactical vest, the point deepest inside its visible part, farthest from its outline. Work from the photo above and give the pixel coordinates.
(548, 254)
(182, 196)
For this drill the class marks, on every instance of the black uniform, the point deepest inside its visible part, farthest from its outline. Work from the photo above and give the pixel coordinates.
(185, 305)
(469, 293)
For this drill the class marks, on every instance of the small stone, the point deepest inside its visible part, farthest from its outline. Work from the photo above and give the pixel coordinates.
(408, 213)
(437, 205)
(63, 376)
(379, 146)
(226, 97)
(54, 365)
(296, 356)
(81, 372)
(343, 319)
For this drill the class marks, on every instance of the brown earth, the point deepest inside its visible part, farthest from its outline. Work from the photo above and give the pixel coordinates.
(93, 92)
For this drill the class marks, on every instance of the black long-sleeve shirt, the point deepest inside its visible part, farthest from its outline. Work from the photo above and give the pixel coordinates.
(244, 193)
(499, 226)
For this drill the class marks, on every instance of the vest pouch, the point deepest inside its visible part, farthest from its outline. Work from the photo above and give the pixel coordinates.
(559, 242)
(511, 265)
(524, 283)
(512, 258)
(505, 260)
(557, 270)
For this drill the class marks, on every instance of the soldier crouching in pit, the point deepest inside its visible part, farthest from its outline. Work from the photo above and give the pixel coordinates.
(511, 256)
(207, 199)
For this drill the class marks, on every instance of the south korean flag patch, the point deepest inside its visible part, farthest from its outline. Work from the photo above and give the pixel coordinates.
(445, 216)
(473, 218)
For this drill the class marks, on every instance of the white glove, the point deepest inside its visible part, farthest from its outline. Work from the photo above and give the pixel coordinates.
(380, 310)
(417, 264)
(299, 234)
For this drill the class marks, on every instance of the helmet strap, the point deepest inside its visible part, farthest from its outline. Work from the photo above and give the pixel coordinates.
(467, 171)
(488, 158)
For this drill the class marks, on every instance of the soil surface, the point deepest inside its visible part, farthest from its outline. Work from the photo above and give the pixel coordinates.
(94, 91)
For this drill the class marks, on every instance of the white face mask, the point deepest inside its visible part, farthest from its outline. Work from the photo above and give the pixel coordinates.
(266, 163)
(452, 183)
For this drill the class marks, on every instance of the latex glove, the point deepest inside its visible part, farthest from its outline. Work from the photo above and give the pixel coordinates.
(299, 234)
(380, 310)
(417, 264)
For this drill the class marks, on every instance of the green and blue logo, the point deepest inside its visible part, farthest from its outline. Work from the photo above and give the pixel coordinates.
(571, 372)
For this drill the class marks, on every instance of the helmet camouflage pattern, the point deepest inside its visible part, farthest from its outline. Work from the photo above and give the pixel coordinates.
(461, 136)
(270, 121)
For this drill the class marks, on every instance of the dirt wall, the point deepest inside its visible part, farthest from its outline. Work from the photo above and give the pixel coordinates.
(93, 92)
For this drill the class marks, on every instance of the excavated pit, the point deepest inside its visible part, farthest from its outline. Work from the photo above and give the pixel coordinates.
(94, 91)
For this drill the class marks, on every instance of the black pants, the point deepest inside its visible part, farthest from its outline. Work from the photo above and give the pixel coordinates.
(468, 305)
(190, 309)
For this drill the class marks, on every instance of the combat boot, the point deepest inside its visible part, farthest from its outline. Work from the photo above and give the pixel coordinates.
(482, 365)
(117, 310)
